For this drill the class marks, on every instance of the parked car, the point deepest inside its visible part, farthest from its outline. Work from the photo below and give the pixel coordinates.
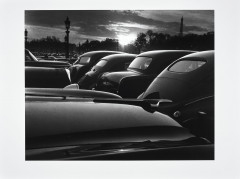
(72, 128)
(140, 73)
(45, 77)
(190, 77)
(186, 92)
(110, 63)
(31, 60)
(85, 62)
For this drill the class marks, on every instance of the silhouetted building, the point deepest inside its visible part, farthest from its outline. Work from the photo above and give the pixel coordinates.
(181, 28)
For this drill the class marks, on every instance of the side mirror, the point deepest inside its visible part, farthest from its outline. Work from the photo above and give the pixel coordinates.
(72, 87)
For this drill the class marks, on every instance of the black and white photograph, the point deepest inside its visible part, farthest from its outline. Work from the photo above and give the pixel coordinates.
(119, 89)
(119, 84)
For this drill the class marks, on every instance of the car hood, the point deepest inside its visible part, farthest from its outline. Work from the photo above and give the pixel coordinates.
(116, 77)
(51, 123)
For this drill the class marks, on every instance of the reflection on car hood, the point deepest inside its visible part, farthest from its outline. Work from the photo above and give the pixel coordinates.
(72, 122)
(116, 77)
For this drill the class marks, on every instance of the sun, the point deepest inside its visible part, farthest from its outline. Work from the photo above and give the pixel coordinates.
(126, 39)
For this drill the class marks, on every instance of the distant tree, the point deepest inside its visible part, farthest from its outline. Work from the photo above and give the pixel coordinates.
(159, 41)
(140, 42)
(131, 48)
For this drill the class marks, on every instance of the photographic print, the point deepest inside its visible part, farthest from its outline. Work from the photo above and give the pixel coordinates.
(119, 85)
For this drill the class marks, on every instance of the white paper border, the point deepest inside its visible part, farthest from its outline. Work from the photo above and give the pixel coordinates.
(12, 131)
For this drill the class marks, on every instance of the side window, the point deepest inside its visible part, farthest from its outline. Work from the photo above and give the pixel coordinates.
(186, 66)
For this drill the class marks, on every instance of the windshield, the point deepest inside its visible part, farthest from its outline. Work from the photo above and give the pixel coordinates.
(186, 66)
(141, 63)
(84, 60)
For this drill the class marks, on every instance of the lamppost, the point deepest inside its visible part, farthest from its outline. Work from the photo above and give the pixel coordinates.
(26, 37)
(67, 24)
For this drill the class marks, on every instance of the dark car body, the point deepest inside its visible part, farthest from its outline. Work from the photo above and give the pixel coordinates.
(67, 93)
(197, 114)
(189, 77)
(31, 60)
(189, 84)
(140, 73)
(85, 62)
(46, 77)
(110, 63)
(91, 129)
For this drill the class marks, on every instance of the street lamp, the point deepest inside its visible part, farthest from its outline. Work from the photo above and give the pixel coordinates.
(67, 24)
(26, 34)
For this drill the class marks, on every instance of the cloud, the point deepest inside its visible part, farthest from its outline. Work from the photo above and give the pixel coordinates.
(100, 24)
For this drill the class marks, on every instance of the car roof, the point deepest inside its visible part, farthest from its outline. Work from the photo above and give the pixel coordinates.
(181, 85)
(205, 55)
(91, 53)
(118, 57)
(156, 53)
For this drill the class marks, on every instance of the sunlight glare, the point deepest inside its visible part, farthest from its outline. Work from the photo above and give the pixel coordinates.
(126, 39)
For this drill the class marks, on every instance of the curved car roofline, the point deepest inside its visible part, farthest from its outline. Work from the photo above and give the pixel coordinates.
(100, 51)
(155, 53)
(207, 55)
(118, 56)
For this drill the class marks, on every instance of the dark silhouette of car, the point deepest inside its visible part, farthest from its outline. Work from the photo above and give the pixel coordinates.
(110, 63)
(185, 90)
(140, 73)
(31, 60)
(189, 77)
(73, 128)
(52, 76)
(46, 77)
(85, 62)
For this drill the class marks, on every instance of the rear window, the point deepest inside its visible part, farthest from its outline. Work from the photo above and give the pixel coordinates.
(101, 63)
(84, 60)
(186, 66)
(141, 63)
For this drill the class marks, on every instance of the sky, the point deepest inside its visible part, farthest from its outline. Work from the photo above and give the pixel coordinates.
(123, 25)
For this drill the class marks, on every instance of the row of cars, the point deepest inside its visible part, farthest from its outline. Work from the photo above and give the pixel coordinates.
(118, 106)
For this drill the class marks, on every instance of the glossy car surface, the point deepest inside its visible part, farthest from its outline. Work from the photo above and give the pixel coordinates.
(64, 93)
(140, 73)
(31, 60)
(85, 62)
(197, 114)
(110, 63)
(189, 77)
(94, 129)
